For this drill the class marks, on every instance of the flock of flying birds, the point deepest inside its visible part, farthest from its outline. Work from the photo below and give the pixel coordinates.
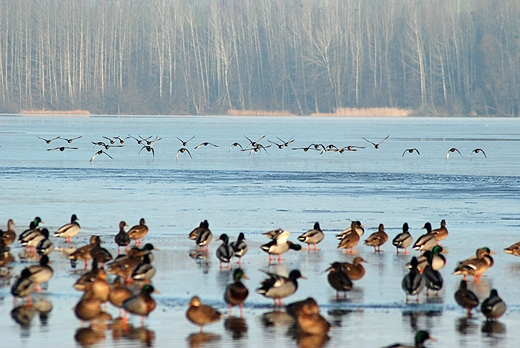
(135, 266)
(253, 146)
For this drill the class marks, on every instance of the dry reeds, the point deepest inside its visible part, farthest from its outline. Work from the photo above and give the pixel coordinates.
(364, 112)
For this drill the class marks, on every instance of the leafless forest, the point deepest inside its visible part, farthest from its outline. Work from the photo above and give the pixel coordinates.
(437, 57)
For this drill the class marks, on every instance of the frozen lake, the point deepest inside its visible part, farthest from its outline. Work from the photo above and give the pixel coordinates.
(238, 191)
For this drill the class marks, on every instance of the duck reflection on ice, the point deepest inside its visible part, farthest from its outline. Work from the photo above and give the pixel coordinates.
(237, 326)
(24, 313)
(202, 338)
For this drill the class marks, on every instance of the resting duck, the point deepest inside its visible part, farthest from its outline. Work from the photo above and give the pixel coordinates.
(98, 253)
(493, 307)
(69, 230)
(9, 235)
(358, 227)
(403, 240)
(413, 282)
(84, 281)
(100, 287)
(466, 298)
(122, 239)
(45, 246)
(441, 233)
(142, 304)
(144, 271)
(513, 249)
(278, 287)
(41, 273)
(309, 320)
(349, 240)
(225, 252)
(354, 270)
(239, 247)
(138, 232)
(88, 307)
(34, 226)
(434, 257)
(476, 266)
(83, 253)
(377, 239)
(419, 339)
(427, 240)
(118, 294)
(313, 236)
(200, 314)
(124, 266)
(338, 279)
(236, 293)
(23, 286)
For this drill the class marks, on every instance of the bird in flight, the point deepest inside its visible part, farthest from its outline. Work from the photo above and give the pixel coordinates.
(379, 143)
(205, 144)
(453, 149)
(235, 144)
(182, 150)
(477, 150)
(48, 141)
(100, 152)
(69, 140)
(62, 148)
(185, 143)
(411, 151)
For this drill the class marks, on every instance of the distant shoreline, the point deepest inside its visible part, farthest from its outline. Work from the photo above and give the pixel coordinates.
(56, 113)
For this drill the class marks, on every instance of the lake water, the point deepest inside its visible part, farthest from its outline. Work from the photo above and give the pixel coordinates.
(238, 191)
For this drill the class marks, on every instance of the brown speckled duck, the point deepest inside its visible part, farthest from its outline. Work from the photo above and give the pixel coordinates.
(200, 314)
(377, 239)
(138, 232)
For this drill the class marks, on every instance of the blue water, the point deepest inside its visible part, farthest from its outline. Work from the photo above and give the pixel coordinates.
(241, 192)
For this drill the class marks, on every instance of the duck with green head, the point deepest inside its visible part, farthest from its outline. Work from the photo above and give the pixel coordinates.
(236, 293)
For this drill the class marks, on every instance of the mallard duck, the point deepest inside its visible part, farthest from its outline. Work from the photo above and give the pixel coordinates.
(142, 304)
(204, 236)
(225, 252)
(144, 271)
(100, 254)
(45, 246)
(413, 282)
(354, 270)
(41, 273)
(434, 257)
(23, 286)
(349, 240)
(88, 307)
(100, 287)
(83, 253)
(432, 278)
(5, 259)
(278, 287)
(466, 298)
(9, 235)
(513, 249)
(146, 250)
(119, 293)
(69, 230)
(122, 239)
(236, 293)
(239, 247)
(313, 236)
(427, 240)
(200, 314)
(138, 232)
(31, 237)
(476, 266)
(360, 230)
(493, 307)
(124, 266)
(84, 281)
(310, 321)
(441, 233)
(419, 339)
(33, 225)
(278, 245)
(377, 239)
(403, 240)
(271, 234)
(338, 278)
(204, 225)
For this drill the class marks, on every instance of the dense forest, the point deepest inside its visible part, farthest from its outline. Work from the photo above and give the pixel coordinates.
(437, 57)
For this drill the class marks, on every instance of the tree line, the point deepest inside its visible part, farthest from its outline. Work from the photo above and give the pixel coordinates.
(437, 57)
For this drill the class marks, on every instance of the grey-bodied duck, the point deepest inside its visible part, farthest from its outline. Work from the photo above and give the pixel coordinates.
(236, 293)
(69, 230)
(493, 307)
(313, 236)
(278, 286)
(225, 252)
(239, 247)
(142, 304)
(403, 240)
(45, 246)
(426, 241)
(23, 286)
(42, 272)
(413, 282)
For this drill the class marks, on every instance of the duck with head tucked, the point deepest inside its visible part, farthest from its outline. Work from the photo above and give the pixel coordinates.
(141, 304)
